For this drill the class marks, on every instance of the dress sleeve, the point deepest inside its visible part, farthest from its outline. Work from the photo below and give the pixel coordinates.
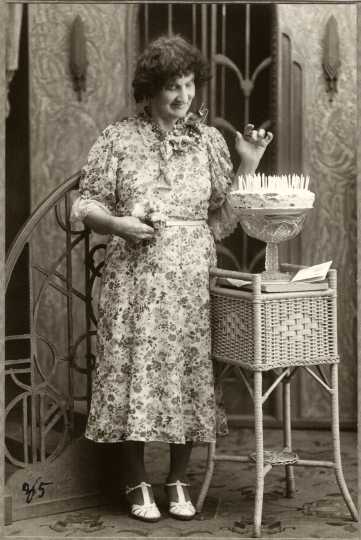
(97, 185)
(222, 219)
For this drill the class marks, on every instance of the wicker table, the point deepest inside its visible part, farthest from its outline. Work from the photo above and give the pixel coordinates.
(257, 332)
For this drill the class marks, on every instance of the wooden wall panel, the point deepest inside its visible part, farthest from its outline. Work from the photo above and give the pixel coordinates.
(329, 156)
(358, 250)
(62, 128)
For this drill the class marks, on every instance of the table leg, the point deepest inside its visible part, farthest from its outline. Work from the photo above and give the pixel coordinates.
(258, 428)
(207, 478)
(287, 436)
(336, 444)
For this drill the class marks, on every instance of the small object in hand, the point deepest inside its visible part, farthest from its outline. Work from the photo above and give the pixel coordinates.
(156, 220)
(149, 215)
(139, 211)
(248, 131)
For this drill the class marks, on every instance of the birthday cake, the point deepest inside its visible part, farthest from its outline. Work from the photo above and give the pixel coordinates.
(261, 191)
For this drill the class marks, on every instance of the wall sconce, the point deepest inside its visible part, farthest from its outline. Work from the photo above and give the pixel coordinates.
(78, 58)
(331, 56)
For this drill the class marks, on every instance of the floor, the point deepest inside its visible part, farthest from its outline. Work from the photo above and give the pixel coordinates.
(317, 510)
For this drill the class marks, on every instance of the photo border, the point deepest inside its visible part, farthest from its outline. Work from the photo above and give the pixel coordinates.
(3, 95)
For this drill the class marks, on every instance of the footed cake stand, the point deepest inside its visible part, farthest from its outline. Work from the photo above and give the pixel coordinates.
(272, 225)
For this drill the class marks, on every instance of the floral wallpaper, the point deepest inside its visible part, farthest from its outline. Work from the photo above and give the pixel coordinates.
(330, 160)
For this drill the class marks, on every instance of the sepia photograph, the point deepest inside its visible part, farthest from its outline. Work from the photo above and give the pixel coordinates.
(181, 265)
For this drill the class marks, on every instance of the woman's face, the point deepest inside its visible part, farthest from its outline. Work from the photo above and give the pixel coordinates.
(174, 100)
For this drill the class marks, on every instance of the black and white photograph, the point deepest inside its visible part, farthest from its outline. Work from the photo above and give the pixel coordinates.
(182, 263)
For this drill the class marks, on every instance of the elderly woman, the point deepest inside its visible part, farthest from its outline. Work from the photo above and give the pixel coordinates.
(157, 183)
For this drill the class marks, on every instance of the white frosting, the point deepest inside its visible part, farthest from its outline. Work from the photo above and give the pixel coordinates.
(272, 191)
(292, 199)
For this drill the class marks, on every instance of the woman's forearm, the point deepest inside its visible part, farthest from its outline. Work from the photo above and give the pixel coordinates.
(100, 222)
(130, 228)
(243, 168)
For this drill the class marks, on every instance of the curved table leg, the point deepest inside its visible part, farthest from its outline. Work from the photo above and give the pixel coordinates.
(207, 478)
(336, 444)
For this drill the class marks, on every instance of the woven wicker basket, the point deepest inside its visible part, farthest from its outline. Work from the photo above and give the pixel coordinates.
(266, 331)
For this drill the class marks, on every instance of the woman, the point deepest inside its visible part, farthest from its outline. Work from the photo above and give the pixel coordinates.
(157, 183)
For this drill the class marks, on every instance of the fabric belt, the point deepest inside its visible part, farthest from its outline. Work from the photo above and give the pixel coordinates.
(184, 222)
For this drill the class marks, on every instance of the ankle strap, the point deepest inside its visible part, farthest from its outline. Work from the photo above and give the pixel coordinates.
(180, 492)
(141, 485)
(177, 483)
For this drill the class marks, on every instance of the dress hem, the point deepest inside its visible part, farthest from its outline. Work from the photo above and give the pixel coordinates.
(167, 441)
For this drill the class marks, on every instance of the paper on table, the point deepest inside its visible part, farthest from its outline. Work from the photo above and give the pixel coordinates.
(237, 282)
(317, 272)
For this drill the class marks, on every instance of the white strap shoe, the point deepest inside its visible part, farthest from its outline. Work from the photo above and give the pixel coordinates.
(181, 509)
(148, 511)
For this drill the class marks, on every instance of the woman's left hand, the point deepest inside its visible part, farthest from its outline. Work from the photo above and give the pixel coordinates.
(251, 146)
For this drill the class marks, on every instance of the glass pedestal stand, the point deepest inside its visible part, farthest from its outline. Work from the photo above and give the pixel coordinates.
(273, 225)
(271, 271)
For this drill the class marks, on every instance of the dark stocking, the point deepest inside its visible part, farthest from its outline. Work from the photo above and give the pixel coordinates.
(179, 459)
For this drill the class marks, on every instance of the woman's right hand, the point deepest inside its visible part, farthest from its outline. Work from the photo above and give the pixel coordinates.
(132, 228)
(251, 146)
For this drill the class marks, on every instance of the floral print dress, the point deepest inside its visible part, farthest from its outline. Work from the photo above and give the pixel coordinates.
(153, 379)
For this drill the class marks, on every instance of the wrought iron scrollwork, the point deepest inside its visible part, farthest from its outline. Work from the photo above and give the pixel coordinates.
(43, 393)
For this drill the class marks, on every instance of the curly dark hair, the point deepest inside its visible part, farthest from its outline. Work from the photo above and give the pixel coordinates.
(165, 59)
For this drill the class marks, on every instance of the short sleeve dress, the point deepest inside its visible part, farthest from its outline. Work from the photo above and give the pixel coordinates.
(153, 379)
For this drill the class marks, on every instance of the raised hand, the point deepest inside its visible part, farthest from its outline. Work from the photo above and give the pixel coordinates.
(251, 146)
